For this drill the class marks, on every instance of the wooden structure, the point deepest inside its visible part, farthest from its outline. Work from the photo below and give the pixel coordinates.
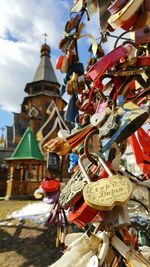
(41, 93)
(26, 167)
(42, 110)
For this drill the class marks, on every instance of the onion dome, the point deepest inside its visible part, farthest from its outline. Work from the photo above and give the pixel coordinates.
(45, 50)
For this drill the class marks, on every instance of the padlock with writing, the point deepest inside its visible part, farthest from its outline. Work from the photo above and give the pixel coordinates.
(81, 213)
(105, 194)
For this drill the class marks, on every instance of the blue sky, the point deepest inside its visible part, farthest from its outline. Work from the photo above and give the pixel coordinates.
(21, 28)
(5, 118)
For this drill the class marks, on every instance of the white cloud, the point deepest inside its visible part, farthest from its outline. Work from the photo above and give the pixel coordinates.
(22, 25)
(21, 28)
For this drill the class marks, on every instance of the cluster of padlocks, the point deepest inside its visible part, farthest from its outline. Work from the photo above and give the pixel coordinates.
(109, 106)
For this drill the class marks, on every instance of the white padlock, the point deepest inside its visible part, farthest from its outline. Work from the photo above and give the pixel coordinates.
(97, 119)
(93, 262)
(105, 246)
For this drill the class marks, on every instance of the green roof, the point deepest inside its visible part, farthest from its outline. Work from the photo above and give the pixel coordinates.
(27, 148)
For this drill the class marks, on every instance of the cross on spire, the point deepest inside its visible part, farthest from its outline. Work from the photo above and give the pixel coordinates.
(45, 35)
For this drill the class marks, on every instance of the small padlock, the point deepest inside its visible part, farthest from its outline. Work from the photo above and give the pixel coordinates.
(142, 36)
(125, 15)
(93, 262)
(82, 213)
(116, 5)
(104, 248)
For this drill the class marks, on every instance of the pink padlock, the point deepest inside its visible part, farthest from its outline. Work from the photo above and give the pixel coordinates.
(109, 61)
(101, 107)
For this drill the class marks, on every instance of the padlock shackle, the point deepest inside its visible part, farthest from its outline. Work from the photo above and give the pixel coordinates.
(105, 246)
(103, 163)
(80, 162)
(86, 151)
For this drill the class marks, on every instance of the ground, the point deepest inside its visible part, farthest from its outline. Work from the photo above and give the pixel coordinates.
(24, 243)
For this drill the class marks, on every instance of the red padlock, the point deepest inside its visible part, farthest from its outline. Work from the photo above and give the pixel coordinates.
(109, 61)
(82, 214)
(59, 62)
(142, 36)
(143, 61)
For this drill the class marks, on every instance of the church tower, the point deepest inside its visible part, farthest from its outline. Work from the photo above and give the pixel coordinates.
(42, 92)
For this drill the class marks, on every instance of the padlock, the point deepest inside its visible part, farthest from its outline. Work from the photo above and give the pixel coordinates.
(72, 23)
(126, 16)
(126, 236)
(66, 43)
(77, 137)
(104, 248)
(131, 118)
(72, 192)
(142, 36)
(93, 262)
(65, 64)
(141, 238)
(105, 194)
(99, 118)
(113, 158)
(72, 84)
(105, 127)
(82, 213)
(100, 52)
(116, 5)
(108, 61)
(59, 62)
(78, 6)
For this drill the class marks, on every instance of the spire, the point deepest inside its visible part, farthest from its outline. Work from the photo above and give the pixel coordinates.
(45, 71)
